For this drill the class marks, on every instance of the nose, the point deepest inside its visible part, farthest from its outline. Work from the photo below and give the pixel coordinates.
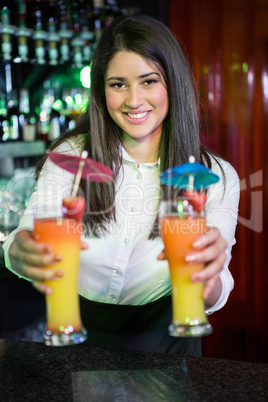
(134, 98)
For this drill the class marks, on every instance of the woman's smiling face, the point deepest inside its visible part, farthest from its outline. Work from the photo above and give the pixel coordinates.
(136, 96)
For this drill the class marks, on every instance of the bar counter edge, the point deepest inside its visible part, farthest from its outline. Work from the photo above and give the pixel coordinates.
(33, 371)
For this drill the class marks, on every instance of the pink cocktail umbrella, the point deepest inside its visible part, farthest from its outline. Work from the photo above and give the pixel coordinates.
(82, 166)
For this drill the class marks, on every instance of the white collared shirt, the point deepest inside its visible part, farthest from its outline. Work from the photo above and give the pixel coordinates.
(122, 266)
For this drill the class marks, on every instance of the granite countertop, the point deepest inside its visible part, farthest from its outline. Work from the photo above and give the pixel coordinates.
(31, 371)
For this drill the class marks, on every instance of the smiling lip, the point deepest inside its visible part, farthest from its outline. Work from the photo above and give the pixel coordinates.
(137, 117)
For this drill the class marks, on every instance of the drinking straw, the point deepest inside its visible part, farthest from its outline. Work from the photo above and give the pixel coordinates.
(79, 174)
(190, 188)
(191, 176)
(180, 208)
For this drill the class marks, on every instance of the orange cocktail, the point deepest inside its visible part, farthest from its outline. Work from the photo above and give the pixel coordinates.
(64, 325)
(179, 228)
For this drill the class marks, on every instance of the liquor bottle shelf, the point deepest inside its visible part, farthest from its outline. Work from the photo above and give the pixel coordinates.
(20, 149)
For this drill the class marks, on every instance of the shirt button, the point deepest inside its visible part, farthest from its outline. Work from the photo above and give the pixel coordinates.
(138, 176)
(126, 241)
(118, 272)
(132, 209)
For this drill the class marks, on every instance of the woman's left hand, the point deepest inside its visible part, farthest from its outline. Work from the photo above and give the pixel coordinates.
(208, 249)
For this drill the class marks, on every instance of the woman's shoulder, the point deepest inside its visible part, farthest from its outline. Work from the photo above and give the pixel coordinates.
(222, 167)
(73, 145)
(228, 186)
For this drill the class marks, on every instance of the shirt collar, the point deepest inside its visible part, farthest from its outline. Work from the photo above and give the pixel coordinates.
(126, 157)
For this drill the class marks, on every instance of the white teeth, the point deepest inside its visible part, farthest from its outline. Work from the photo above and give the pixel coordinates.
(137, 116)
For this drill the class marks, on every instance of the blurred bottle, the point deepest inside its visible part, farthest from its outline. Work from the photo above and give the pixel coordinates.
(26, 119)
(23, 34)
(77, 42)
(54, 126)
(4, 122)
(6, 31)
(39, 34)
(53, 35)
(43, 111)
(55, 111)
(15, 130)
(65, 32)
(67, 111)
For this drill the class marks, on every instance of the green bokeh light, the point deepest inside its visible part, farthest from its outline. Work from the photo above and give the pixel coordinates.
(69, 100)
(245, 67)
(58, 105)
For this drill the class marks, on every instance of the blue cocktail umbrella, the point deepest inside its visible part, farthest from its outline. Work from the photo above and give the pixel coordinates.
(189, 176)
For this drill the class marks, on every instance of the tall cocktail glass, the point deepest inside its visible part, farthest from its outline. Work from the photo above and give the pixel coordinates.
(64, 325)
(180, 225)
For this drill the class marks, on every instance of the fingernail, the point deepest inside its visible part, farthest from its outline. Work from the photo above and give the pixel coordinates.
(197, 243)
(190, 258)
(59, 274)
(195, 278)
(58, 257)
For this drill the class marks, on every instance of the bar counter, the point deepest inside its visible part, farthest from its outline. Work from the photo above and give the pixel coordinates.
(31, 371)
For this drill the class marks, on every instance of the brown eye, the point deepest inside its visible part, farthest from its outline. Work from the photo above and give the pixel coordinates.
(150, 82)
(117, 85)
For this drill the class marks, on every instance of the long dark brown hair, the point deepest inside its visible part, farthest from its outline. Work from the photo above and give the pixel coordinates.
(102, 138)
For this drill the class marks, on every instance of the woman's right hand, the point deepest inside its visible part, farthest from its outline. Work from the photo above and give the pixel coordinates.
(29, 258)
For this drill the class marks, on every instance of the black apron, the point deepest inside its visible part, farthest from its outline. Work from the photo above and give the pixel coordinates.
(143, 328)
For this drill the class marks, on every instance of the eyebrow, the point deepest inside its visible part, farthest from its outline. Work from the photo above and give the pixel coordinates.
(140, 76)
